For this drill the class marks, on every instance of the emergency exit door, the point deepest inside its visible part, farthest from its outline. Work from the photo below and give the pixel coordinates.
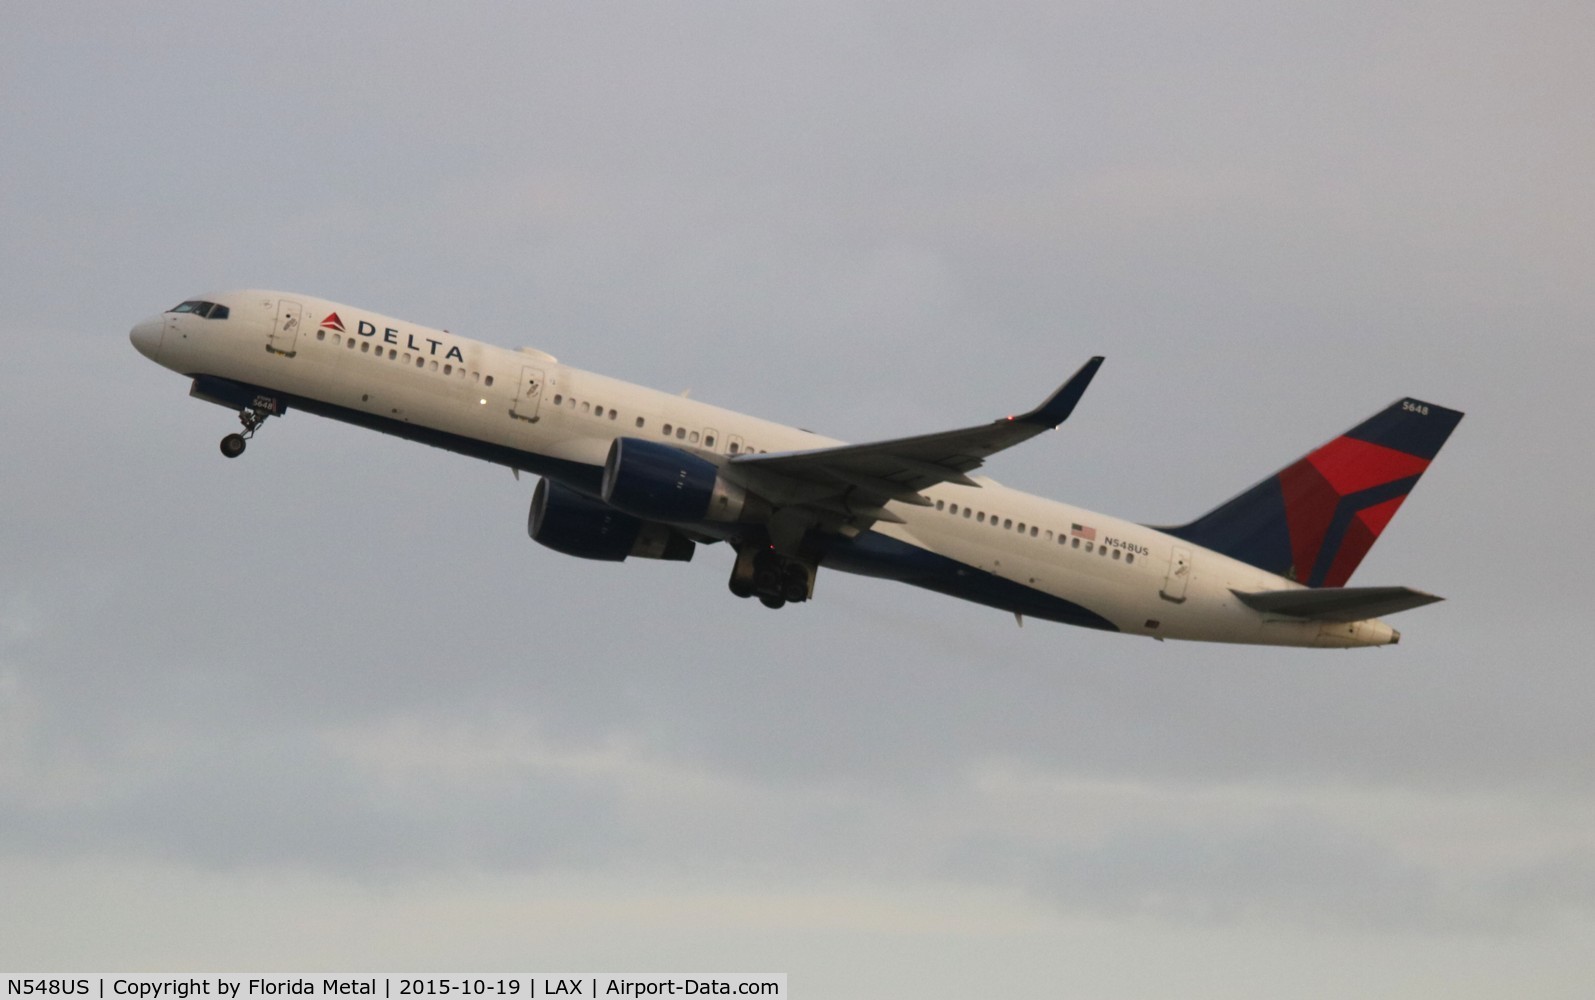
(529, 394)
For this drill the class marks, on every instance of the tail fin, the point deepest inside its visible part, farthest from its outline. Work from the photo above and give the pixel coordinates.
(1315, 519)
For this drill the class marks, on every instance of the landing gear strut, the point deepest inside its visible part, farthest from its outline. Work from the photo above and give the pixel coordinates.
(251, 417)
(774, 579)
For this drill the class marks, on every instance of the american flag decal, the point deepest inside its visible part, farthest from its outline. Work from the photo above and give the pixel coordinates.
(1081, 531)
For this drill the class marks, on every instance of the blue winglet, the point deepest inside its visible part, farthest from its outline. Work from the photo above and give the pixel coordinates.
(1058, 407)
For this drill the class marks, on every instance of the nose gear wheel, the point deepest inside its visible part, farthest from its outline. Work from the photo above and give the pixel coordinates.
(251, 417)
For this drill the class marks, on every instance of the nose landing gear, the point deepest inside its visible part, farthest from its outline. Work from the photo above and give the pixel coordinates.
(251, 417)
(774, 579)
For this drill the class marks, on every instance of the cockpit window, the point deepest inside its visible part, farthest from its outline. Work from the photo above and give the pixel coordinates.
(208, 310)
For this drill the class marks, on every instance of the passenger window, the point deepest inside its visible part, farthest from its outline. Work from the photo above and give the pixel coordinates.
(448, 369)
(321, 335)
(1116, 554)
(1008, 523)
(734, 448)
(365, 347)
(693, 437)
(1074, 543)
(940, 504)
(351, 344)
(665, 430)
(488, 380)
(1129, 557)
(708, 440)
(587, 408)
(640, 421)
(1035, 532)
(967, 512)
(681, 432)
(981, 517)
(559, 398)
(393, 353)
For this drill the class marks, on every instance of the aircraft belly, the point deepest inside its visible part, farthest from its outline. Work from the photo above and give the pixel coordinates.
(876, 554)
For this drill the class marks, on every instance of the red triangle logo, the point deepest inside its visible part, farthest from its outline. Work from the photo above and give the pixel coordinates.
(332, 322)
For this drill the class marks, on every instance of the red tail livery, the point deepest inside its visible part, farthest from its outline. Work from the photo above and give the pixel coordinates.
(1315, 519)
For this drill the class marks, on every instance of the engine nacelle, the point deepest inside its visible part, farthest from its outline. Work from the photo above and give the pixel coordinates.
(659, 482)
(577, 525)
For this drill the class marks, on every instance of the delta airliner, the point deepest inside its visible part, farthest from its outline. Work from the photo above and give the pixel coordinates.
(630, 471)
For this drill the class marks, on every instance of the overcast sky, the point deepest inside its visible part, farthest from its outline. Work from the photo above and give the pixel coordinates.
(326, 707)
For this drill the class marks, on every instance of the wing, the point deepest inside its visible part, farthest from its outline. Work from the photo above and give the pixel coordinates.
(858, 479)
(1337, 604)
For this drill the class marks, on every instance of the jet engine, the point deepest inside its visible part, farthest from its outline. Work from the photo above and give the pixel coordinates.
(658, 482)
(569, 522)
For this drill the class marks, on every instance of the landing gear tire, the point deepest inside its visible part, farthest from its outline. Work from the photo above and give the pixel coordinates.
(233, 444)
(767, 580)
(794, 582)
(776, 580)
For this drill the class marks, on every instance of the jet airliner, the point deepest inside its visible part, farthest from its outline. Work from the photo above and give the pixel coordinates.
(628, 471)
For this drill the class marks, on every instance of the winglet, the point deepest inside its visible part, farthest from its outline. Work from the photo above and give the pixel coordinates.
(1061, 403)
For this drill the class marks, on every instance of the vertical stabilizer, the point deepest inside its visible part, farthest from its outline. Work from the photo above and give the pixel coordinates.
(1315, 519)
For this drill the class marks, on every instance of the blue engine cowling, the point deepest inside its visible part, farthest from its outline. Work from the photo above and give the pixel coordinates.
(577, 525)
(659, 482)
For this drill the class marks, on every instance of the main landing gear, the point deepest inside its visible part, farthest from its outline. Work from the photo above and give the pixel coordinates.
(251, 417)
(774, 579)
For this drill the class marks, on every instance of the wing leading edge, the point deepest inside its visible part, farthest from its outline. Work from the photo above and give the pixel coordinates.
(900, 468)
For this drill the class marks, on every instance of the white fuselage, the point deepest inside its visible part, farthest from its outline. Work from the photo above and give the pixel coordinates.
(524, 409)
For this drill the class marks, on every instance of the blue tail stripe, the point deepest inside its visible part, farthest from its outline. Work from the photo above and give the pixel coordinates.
(1345, 512)
(1409, 425)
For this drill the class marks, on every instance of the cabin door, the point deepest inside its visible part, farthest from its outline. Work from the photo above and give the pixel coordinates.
(1178, 576)
(285, 334)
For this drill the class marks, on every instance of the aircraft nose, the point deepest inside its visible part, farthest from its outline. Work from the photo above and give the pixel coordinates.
(146, 336)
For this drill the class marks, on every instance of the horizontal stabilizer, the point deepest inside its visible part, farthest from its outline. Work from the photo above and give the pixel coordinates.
(1336, 604)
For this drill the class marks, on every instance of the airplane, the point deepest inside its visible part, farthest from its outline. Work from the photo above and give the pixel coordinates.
(627, 471)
